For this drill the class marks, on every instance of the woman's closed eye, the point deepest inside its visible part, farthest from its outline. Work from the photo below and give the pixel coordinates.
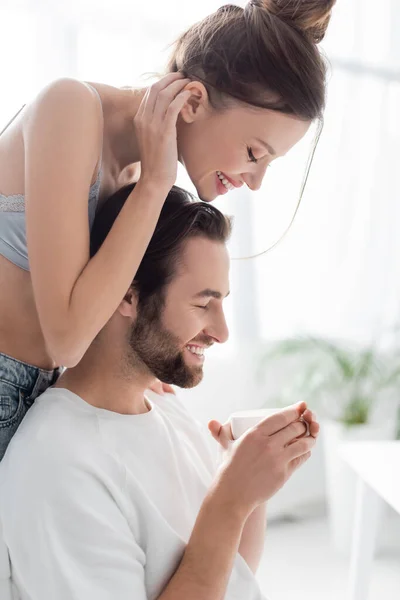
(252, 158)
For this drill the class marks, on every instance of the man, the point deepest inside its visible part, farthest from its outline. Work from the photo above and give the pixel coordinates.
(102, 484)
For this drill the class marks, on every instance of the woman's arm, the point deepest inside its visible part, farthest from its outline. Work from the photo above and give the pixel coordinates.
(75, 297)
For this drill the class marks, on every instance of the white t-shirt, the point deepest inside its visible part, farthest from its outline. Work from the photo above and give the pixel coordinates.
(96, 505)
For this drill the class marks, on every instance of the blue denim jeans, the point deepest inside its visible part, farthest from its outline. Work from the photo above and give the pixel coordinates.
(20, 385)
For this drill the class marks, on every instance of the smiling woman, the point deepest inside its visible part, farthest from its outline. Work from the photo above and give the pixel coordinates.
(264, 78)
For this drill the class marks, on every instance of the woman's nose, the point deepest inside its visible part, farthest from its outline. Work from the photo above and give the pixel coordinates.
(254, 180)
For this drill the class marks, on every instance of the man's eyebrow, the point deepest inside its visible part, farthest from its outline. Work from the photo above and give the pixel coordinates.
(207, 293)
(267, 146)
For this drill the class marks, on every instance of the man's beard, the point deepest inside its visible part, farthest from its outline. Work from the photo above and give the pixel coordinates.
(159, 350)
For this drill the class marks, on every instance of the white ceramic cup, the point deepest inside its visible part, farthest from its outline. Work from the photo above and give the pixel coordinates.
(243, 420)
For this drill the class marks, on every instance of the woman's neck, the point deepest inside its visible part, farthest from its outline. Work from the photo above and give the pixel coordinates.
(119, 108)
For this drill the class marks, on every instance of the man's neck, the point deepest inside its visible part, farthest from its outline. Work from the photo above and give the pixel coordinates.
(101, 384)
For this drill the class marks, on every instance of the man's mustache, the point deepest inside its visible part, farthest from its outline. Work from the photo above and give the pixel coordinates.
(204, 341)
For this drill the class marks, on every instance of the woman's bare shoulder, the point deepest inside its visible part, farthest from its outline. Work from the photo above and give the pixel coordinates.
(62, 94)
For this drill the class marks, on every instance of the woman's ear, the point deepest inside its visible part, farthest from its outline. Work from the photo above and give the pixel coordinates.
(128, 306)
(197, 105)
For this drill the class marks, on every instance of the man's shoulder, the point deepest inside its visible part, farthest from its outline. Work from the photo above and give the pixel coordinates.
(173, 406)
(52, 436)
(190, 428)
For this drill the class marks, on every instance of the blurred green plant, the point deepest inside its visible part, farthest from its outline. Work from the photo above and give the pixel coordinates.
(346, 382)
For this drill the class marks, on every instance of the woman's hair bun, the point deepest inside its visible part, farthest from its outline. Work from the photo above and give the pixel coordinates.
(311, 17)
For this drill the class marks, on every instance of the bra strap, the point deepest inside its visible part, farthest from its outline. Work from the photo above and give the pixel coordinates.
(14, 117)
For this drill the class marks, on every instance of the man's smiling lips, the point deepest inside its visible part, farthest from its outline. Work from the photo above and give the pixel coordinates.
(197, 351)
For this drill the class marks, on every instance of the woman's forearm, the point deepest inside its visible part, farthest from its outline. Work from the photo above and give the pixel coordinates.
(107, 276)
(206, 565)
(253, 536)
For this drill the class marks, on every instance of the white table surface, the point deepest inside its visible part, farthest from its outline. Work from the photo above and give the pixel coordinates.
(378, 464)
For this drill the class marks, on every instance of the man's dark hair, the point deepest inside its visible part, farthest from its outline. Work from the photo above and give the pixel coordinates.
(182, 217)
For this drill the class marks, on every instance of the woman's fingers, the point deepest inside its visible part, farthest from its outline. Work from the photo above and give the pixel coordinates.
(175, 108)
(157, 387)
(168, 389)
(156, 134)
(160, 96)
(166, 97)
(150, 96)
(140, 110)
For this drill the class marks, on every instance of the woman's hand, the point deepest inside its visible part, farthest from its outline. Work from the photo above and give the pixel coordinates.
(155, 125)
(161, 388)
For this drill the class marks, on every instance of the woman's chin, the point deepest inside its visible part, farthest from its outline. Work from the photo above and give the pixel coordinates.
(204, 195)
(207, 199)
(204, 191)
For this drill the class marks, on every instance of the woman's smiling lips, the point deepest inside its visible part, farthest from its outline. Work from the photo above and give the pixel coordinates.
(220, 186)
(236, 184)
(227, 184)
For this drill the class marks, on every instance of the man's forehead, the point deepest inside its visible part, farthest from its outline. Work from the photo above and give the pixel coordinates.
(204, 264)
(197, 250)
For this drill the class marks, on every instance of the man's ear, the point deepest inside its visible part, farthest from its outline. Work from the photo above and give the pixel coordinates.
(197, 105)
(128, 306)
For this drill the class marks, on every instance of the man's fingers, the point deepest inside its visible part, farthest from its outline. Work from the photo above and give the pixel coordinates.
(214, 428)
(314, 429)
(282, 419)
(221, 433)
(300, 447)
(311, 419)
(297, 462)
(290, 433)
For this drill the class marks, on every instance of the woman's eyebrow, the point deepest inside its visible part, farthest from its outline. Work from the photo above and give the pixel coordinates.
(267, 146)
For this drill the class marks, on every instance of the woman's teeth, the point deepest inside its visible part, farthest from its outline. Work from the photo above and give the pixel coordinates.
(225, 182)
(196, 350)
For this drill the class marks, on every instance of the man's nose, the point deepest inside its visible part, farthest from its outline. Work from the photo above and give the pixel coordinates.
(218, 329)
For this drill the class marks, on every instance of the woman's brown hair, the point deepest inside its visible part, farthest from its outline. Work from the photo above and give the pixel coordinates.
(265, 55)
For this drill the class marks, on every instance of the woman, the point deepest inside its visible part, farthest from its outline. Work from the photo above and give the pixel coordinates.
(242, 89)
